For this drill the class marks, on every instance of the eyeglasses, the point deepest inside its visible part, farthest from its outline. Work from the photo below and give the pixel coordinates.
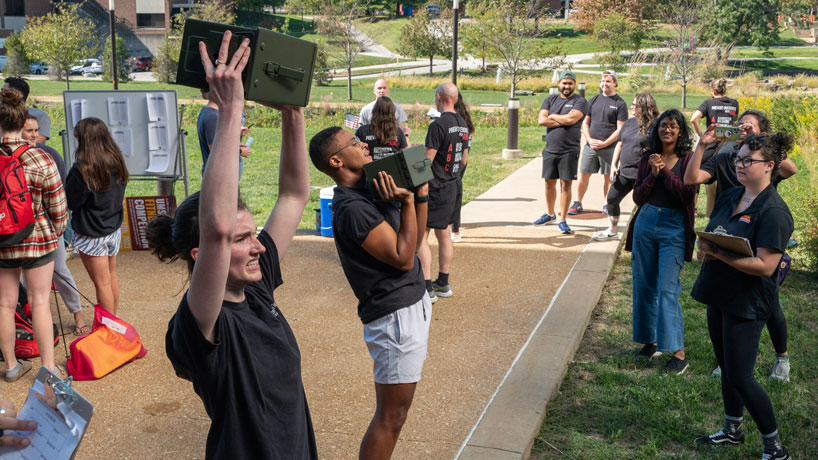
(355, 141)
(746, 162)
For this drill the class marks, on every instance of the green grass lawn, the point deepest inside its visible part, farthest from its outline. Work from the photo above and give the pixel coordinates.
(384, 31)
(797, 51)
(789, 65)
(610, 407)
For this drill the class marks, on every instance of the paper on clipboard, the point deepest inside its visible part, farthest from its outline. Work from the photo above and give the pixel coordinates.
(157, 108)
(731, 243)
(79, 109)
(58, 434)
(159, 161)
(158, 138)
(124, 139)
(118, 111)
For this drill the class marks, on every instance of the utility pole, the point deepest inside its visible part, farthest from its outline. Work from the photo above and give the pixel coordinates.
(454, 42)
(113, 44)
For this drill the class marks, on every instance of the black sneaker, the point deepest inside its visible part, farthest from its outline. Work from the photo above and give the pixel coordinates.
(780, 454)
(676, 366)
(721, 438)
(649, 351)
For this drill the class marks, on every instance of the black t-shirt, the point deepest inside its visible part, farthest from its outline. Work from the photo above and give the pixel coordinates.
(564, 139)
(766, 223)
(720, 111)
(250, 379)
(605, 112)
(449, 135)
(661, 196)
(721, 168)
(94, 214)
(378, 150)
(380, 288)
(631, 152)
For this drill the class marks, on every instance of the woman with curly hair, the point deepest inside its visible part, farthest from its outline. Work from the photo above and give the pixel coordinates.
(34, 255)
(661, 238)
(626, 157)
(736, 315)
(95, 187)
(382, 136)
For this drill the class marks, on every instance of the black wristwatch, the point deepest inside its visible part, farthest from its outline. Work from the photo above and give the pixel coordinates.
(422, 199)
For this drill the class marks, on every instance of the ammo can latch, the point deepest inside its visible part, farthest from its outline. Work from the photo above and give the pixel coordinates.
(275, 70)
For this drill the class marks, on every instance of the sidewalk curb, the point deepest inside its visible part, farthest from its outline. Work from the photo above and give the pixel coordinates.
(513, 415)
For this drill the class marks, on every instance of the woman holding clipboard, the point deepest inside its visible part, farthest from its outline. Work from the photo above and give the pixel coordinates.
(736, 315)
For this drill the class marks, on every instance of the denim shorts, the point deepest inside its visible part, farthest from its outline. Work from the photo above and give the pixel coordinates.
(98, 246)
(397, 343)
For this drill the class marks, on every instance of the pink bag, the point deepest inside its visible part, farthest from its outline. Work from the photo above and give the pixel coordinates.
(111, 343)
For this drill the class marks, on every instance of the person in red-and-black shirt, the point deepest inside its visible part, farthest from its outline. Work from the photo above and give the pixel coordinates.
(447, 146)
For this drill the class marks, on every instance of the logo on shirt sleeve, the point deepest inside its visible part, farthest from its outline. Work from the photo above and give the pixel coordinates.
(745, 218)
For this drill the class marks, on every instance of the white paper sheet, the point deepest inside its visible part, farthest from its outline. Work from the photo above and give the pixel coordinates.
(79, 108)
(118, 111)
(124, 139)
(158, 138)
(53, 439)
(159, 161)
(157, 108)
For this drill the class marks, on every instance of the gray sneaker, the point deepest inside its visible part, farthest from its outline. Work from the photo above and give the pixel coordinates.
(716, 372)
(781, 369)
(444, 290)
(432, 296)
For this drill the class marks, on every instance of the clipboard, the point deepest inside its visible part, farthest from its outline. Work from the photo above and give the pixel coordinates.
(58, 433)
(736, 244)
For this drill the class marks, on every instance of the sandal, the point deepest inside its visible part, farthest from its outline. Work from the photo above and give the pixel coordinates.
(12, 375)
(81, 330)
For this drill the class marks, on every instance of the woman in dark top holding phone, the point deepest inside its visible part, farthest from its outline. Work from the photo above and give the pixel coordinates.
(741, 292)
(661, 238)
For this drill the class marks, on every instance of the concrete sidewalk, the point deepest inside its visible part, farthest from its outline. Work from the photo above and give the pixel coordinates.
(498, 348)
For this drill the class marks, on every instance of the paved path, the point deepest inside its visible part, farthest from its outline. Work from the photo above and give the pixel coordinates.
(521, 302)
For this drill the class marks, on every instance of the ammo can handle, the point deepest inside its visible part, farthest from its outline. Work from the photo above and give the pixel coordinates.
(274, 70)
(422, 164)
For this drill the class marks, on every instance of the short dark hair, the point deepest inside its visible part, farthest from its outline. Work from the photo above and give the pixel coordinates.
(763, 122)
(20, 85)
(320, 146)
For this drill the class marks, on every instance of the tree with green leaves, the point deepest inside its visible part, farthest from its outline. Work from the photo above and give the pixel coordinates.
(728, 22)
(123, 69)
(427, 37)
(512, 35)
(337, 24)
(18, 63)
(60, 38)
(617, 34)
(473, 40)
(166, 60)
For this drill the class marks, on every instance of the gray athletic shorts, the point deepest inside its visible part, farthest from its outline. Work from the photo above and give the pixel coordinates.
(596, 161)
(98, 246)
(397, 343)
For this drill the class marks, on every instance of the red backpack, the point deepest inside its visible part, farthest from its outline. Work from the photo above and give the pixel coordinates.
(16, 212)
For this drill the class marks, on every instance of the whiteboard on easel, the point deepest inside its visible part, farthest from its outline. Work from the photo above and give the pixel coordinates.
(144, 124)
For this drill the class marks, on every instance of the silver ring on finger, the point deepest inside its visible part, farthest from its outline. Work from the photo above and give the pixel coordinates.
(2, 411)
(219, 62)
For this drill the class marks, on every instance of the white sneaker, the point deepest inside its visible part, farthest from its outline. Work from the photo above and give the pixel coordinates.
(781, 370)
(716, 372)
(605, 235)
(456, 237)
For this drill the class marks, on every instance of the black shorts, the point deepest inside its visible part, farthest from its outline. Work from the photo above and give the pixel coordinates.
(29, 262)
(442, 204)
(559, 166)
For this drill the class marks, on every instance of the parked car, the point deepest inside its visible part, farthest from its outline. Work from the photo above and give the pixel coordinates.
(141, 63)
(38, 68)
(87, 67)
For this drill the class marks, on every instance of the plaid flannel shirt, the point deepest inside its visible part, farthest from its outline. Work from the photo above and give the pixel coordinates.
(48, 202)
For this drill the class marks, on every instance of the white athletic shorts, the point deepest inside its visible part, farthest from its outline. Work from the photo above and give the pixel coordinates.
(397, 343)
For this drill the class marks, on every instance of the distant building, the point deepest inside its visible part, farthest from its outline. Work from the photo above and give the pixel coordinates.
(142, 23)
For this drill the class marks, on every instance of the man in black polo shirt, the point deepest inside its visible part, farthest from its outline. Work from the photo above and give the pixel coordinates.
(446, 145)
(376, 239)
(562, 114)
(607, 112)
